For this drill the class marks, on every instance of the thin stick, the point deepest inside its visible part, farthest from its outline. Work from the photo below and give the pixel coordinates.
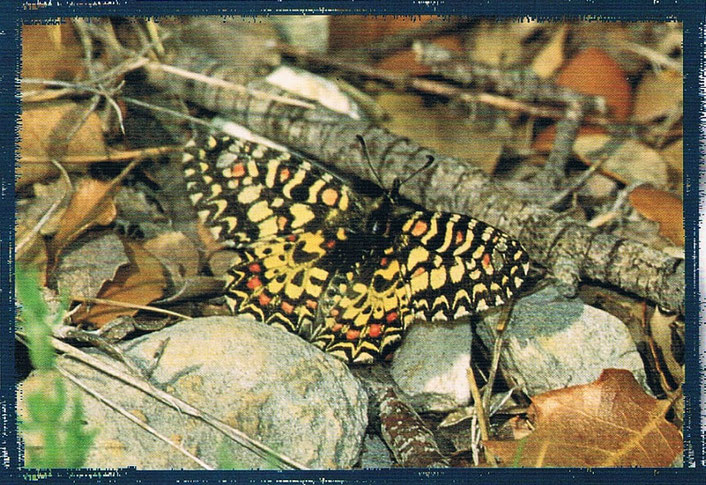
(119, 156)
(580, 181)
(480, 413)
(121, 304)
(116, 407)
(222, 83)
(19, 248)
(402, 81)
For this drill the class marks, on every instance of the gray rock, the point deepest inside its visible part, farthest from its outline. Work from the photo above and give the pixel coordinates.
(430, 365)
(552, 342)
(375, 454)
(268, 383)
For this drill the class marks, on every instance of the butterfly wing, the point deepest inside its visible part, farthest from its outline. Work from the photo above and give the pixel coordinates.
(456, 265)
(284, 215)
(246, 192)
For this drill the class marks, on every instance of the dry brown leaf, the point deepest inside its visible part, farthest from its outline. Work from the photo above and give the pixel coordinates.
(51, 52)
(406, 60)
(631, 162)
(439, 128)
(594, 72)
(611, 422)
(43, 135)
(354, 31)
(176, 251)
(90, 205)
(674, 156)
(141, 282)
(547, 62)
(501, 44)
(658, 94)
(662, 207)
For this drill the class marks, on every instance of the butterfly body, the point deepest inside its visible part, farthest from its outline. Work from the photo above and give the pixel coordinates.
(343, 271)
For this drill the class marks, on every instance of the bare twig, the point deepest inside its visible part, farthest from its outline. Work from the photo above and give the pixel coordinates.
(121, 304)
(119, 156)
(480, 413)
(240, 89)
(19, 247)
(580, 181)
(403, 81)
(652, 55)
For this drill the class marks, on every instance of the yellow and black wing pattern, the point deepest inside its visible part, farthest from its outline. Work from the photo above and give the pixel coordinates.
(317, 259)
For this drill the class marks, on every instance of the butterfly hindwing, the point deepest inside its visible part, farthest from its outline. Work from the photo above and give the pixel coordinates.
(371, 311)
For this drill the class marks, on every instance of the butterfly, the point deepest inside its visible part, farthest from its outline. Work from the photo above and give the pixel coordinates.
(346, 272)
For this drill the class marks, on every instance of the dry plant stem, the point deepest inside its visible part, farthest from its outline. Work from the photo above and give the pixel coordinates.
(119, 409)
(652, 55)
(404, 81)
(121, 156)
(480, 413)
(580, 181)
(253, 445)
(195, 76)
(19, 247)
(495, 364)
(122, 304)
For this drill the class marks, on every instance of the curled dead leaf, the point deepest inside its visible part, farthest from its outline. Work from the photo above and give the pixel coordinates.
(44, 134)
(140, 282)
(51, 51)
(90, 205)
(611, 422)
(662, 207)
(657, 95)
(594, 72)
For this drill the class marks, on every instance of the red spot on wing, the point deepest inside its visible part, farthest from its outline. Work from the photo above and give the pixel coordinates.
(375, 330)
(418, 271)
(238, 170)
(287, 307)
(391, 317)
(312, 304)
(486, 260)
(330, 244)
(459, 237)
(352, 334)
(253, 283)
(291, 238)
(420, 228)
(337, 327)
(255, 268)
(384, 262)
(284, 174)
(263, 299)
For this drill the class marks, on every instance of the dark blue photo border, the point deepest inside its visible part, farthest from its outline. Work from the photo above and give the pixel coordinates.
(690, 12)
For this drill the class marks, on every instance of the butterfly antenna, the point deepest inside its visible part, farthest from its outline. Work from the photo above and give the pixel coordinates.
(367, 159)
(430, 162)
